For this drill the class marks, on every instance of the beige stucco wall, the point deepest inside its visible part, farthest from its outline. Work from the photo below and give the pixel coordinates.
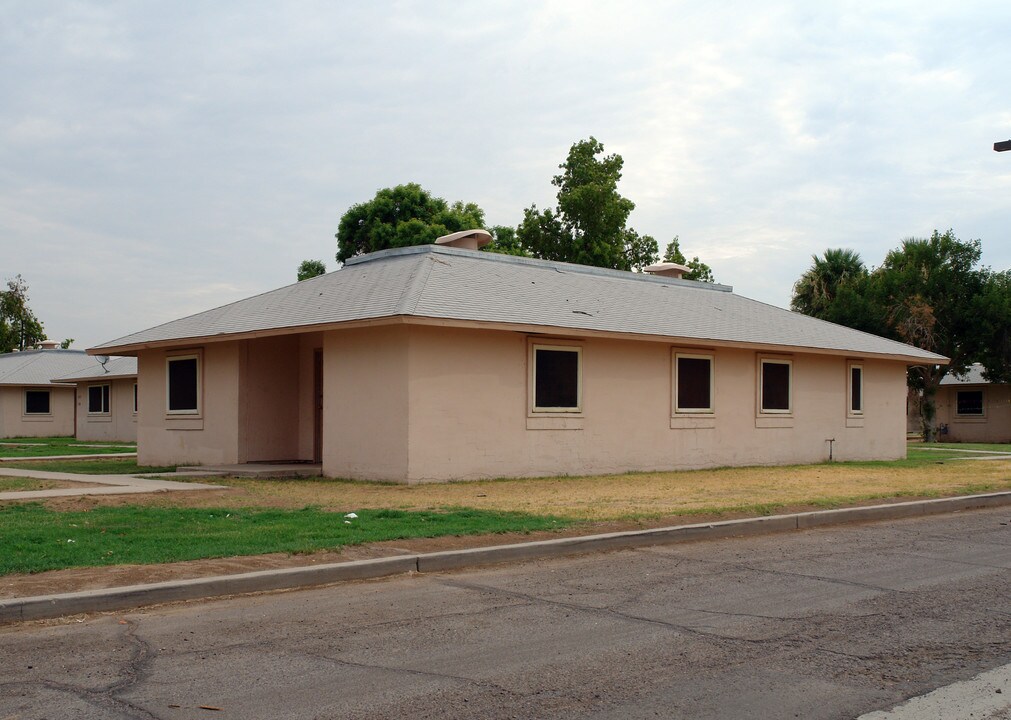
(208, 438)
(119, 424)
(365, 413)
(469, 416)
(993, 427)
(15, 423)
(415, 404)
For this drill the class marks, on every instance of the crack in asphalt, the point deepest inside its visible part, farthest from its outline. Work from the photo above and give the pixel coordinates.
(610, 612)
(948, 560)
(808, 576)
(484, 684)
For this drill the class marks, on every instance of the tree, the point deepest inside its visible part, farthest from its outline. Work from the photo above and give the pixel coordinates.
(816, 291)
(589, 225)
(929, 292)
(310, 269)
(401, 216)
(699, 271)
(505, 242)
(19, 328)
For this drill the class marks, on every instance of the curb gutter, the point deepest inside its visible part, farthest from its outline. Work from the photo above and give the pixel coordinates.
(135, 596)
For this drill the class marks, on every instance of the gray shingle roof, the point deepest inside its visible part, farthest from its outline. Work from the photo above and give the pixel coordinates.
(430, 281)
(114, 368)
(973, 376)
(39, 367)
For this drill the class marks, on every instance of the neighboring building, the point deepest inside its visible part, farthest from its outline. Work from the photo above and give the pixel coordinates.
(106, 399)
(970, 409)
(439, 363)
(31, 404)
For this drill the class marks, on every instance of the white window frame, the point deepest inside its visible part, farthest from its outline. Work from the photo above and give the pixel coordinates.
(189, 412)
(850, 367)
(532, 362)
(762, 362)
(24, 402)
(678, 410)
(982, 403)
(106, 397)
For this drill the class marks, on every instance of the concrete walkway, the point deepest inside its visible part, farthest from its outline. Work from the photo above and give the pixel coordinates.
(109, 485)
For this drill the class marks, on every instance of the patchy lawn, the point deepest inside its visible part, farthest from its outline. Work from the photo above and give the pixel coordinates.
(47, 446)
(14, 484)
(630, 497)
(34, 538)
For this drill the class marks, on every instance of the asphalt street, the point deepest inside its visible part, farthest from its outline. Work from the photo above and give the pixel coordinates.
(829, 623)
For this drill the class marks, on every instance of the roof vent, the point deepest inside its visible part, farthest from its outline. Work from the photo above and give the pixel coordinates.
(667, 269)
(49, 345)
(466, 239)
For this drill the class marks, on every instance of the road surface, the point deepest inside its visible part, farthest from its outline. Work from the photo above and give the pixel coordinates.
(830, 623)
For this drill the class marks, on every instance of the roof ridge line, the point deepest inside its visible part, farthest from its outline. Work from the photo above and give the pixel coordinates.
(414, 286)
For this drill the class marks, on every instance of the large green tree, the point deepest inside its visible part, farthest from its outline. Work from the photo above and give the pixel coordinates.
(929, 292)
(401, 216)
(590, 223)
(698, 270)
(19, 328)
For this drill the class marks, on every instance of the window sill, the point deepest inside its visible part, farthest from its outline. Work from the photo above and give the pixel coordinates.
(37, 418)
(693, 422)
(774, 421)
(184, 422)
(99, 418)
(554, 423)
(854, 422)
(970, 419)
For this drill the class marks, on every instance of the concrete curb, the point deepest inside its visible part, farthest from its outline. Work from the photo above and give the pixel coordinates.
(135, 596)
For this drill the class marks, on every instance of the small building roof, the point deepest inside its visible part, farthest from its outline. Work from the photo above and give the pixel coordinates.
(39, 367)
(114, 368)
(472, 288)
(973, 376)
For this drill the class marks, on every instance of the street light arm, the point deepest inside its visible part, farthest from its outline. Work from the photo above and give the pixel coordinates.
(1002, 146)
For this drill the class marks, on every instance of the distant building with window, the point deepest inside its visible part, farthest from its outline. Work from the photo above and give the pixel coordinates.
(31, 404)
(106, 399)
(441, 362)
(970, 409)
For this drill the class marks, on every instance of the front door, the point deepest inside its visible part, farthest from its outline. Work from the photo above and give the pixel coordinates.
(317, 405)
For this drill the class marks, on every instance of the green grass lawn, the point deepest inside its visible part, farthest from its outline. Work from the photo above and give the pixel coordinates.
(108, 466)
(35, 539)
(41, 447)
(13, 484)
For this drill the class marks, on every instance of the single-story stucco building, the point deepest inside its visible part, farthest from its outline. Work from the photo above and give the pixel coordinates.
(31, 404)
(970, 409)
(106, 399)
(437, 362)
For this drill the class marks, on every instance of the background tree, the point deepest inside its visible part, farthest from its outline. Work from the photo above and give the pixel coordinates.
(401, 216)
(589, 225)
(699, 271)
(929, 292)
(505, 242)
(19, 328)
(310, 269)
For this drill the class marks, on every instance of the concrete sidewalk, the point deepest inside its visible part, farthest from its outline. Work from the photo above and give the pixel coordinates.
(112, 485)
(57, 605)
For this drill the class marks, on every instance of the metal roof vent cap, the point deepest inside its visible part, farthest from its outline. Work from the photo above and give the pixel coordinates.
(49, 345)
(667, 269)
(466, 239)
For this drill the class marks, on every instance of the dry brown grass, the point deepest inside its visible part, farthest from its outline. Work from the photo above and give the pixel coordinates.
(614, 497)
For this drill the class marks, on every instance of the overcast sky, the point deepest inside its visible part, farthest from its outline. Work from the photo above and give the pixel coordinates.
(159, 159)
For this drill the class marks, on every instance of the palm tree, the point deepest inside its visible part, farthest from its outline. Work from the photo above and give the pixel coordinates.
(814, 292)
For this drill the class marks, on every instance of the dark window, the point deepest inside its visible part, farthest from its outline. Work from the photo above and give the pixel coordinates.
(98, 399)
(182, 385)
(856, 389)
(775, 386)
(135, 397)
(969, 402)
(556, 379)
(694, 384)
(36, 402)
